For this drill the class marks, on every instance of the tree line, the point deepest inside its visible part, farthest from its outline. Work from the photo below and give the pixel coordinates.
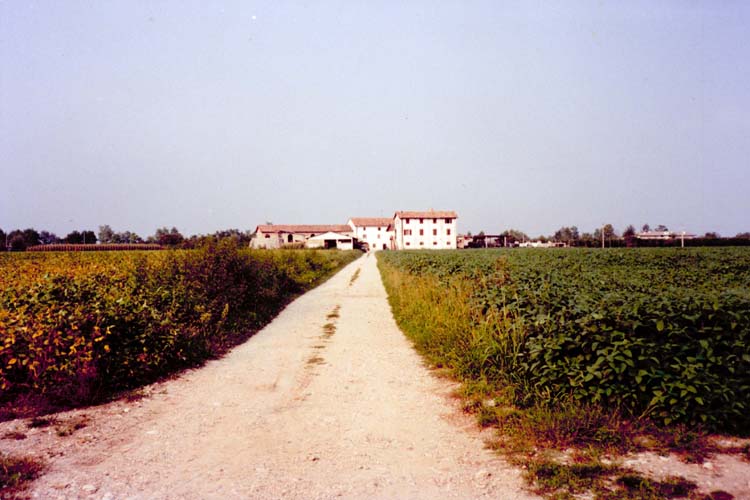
(571, 236)
(19, 240)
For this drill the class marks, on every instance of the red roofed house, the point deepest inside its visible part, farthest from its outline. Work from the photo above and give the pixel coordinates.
(279, 235)
(377, 232)
(432, 229)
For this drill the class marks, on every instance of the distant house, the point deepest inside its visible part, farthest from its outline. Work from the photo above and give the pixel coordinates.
(663, 235)
(280, 235)
(432, 229)
(377, 232)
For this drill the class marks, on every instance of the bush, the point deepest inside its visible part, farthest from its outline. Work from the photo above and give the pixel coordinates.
(77, 327)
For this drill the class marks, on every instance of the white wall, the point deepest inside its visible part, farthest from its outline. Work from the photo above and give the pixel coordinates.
(427, 233)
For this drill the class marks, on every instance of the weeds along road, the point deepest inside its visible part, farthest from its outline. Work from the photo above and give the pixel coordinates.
(327, 401)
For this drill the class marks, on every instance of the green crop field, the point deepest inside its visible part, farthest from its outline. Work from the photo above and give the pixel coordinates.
(76, 327)
(660, 334)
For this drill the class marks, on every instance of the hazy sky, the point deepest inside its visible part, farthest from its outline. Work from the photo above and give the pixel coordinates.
(532, 115)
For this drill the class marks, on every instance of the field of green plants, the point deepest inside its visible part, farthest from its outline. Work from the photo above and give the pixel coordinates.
(78, 327)
(657, 334)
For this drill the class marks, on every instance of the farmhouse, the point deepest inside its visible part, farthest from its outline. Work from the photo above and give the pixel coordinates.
(377, 232)
(280, 235)
(406, 230)
(433, 229)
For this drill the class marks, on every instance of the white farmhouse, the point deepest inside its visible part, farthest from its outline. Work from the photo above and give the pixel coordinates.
(377, 232)
(433, 229)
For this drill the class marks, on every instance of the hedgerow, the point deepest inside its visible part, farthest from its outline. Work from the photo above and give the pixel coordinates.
(77, 327)
(651, 333)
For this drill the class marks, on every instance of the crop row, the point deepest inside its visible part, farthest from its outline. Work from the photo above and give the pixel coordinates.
(658, 333)
(76, 327)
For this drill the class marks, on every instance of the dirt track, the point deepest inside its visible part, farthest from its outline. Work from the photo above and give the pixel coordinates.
(295, 413)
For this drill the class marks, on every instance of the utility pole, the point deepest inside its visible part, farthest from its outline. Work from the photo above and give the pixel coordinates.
(603, 235)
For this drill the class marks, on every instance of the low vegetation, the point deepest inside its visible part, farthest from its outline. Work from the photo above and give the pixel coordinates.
(615, 350)
(76, 328)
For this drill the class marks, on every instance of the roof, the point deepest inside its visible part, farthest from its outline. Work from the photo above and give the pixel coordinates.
(331, 236)
(371, 221)
(303, 228)
(429, 214)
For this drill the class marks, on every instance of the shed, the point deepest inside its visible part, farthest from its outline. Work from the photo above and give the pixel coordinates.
(331, 240)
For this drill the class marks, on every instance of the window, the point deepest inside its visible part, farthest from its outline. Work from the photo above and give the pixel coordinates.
(378, 235)
(421, 232)
(434, 232)
(449, 231)
(421, 221)
(447, 221)
(406, 221)
(421, 242)
(289, 238)
(407, 232)
(267, 236)
(407, 243)
(434, 221)
(434, 243)
(380, 228)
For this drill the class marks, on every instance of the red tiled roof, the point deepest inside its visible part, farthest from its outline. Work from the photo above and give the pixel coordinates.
(429, 214)
(371, 221)
(303, 228)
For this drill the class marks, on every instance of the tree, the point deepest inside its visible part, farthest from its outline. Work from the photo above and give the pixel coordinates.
(567, 234)
(744, 236)
(629, 235)
(16, 242)
(47, 238)
(89, 237)
(3, 241)
(661, 228)
(169, 237)
(74, 238)
(712, 235)
(106, 234)
(646, 228)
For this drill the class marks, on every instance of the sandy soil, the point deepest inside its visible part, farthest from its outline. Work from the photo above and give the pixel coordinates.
(295, 412)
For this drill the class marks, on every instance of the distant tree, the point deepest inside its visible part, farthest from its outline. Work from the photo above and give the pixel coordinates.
(169, 237)
(629, 235)
(16, 243)
(646, 228)
(712, 234)
(47, 238)
(567, 234)
(3, 241)
(89, 237)
(542, 238)
(468, 234)
(744, 236)
(74, 238)
(588, 239)
(480, 233)
(514, 235)
(126, 237)
(106, 234)
(661, 228)
(31, 237)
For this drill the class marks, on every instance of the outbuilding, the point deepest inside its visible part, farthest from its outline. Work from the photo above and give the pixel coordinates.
(331, 240)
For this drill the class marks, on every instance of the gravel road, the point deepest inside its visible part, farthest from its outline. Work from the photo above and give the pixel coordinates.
(301, 410)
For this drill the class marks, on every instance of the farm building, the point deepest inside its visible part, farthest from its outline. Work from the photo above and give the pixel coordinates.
(377, 232)
(663, 235)
(432, 229)
(280, 235)
(331, 240)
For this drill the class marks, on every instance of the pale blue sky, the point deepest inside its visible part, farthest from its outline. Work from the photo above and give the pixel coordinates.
(533, 115)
